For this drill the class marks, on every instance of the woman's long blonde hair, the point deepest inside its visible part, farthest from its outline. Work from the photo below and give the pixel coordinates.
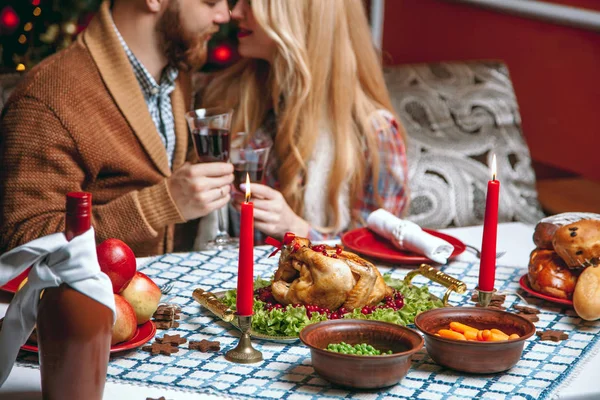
(326, 70)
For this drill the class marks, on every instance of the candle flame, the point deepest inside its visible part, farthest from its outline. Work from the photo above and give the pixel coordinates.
(494, 168)
(248, 192)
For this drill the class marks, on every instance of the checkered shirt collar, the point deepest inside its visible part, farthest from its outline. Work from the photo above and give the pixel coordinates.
(145, 80)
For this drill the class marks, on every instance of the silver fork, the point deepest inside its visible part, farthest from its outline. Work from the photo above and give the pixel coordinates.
(477, 252)
(166, 288)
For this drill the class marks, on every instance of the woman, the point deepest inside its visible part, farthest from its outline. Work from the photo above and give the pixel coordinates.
(312, 79)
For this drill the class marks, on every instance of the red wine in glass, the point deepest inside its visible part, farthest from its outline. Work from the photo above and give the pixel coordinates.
(240, 170)
(212, 144)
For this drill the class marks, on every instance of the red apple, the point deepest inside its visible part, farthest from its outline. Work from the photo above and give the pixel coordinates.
(116, 260)
(126, 323)
(143, 295)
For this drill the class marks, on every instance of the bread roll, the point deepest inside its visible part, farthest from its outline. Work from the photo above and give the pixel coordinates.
(578, 244)
(545, 229)
(549, 274)
(586, 298)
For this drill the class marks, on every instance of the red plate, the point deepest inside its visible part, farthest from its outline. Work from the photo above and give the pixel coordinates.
(143, 334)
(364, 241)
(13, 285)
(524, 283)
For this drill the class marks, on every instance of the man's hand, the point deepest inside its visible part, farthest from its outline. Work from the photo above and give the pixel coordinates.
(198, 189)
(272, 214)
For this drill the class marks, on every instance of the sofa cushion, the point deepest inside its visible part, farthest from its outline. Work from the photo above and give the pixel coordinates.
(456, 116)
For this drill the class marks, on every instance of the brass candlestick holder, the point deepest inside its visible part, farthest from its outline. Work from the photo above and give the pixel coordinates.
(244, 353)
(484, 297)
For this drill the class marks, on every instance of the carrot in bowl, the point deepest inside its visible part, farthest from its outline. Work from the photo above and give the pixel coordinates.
(450, 334)
(462, 328)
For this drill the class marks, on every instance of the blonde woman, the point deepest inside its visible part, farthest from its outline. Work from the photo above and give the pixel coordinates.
(311, 78)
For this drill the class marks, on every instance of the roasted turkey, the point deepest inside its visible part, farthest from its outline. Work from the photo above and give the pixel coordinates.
(327, 277)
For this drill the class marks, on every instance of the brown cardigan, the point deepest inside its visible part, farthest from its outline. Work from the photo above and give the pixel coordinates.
(78, 121)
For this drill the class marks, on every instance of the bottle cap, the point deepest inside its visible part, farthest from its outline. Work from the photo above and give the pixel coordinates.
(79, 203)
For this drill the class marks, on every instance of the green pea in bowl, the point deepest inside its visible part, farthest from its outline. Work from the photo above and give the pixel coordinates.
(361, 371)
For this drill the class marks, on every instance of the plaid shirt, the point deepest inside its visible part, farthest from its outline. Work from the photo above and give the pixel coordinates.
(393, 174)
(157, 97)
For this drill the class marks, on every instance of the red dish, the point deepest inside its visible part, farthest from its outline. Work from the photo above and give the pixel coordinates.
(367, 243)
(524, 283)
(143, 334)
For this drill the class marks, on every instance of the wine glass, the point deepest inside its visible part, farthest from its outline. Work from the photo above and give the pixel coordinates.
(249, 155)
(210, 133)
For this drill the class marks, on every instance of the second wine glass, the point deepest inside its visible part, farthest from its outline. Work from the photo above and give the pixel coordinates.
(249, 155)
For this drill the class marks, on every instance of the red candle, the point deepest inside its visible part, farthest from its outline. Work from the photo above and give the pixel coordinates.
(245, 285)
(487, 266)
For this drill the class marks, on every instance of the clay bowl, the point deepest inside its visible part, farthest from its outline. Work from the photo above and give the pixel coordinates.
(471, 356)
(357, 371)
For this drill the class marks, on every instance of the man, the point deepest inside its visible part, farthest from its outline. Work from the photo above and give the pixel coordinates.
(106, 115)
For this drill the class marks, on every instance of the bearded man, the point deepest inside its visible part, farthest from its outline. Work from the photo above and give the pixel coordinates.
(107, 116)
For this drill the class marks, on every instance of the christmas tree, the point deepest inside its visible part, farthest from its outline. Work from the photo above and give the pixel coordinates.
(31, 30)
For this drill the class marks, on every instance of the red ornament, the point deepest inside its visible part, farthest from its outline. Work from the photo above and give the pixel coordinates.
(35, 2)
(9, 18)
(222, 54)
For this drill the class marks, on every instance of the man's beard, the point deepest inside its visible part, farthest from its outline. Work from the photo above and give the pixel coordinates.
(184, 50)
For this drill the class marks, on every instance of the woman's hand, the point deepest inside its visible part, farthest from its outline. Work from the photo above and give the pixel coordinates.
(272, 215)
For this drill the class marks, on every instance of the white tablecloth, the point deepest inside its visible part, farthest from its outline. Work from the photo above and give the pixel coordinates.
(515, 238)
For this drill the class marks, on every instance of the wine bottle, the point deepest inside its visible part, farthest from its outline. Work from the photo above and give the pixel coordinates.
(74, 331)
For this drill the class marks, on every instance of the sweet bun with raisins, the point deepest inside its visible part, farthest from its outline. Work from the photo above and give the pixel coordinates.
(578, 244)
(547, 227)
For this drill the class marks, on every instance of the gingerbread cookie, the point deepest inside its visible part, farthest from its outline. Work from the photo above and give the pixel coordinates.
(160, 348)
(554, 335)
(526, 309)
(530, 317)
(526, 312)
(166, 317)
(174, 340)
(205, 345)
(166, 324)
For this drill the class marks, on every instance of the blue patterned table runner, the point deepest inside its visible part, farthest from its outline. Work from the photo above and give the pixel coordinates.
(287, 373)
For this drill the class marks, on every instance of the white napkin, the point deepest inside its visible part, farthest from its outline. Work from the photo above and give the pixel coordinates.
(54, 261)
(407, 235)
